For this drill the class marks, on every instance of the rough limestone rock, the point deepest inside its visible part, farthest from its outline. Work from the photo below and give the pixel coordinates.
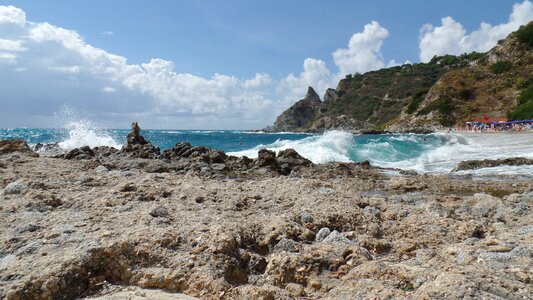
(73, 233)
(10, 146)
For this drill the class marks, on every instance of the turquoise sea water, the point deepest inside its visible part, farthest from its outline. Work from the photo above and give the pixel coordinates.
(434, 153)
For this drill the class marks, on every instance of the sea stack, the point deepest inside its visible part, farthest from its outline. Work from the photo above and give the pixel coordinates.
(137, 146)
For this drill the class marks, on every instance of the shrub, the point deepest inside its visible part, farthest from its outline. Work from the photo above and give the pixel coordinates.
(522, 112)
(524, 109)
(465, 94)
(526, 95)
(501, 66)
(442, 105)
(415, 103)
(525, 34)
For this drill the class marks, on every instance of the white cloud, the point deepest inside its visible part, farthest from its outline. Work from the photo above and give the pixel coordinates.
(260, 80)
(8, 58)
(44, 67)
(65, 69)
(315, 73)
(364, 51)
(9, 45)
(107, 33)
(11, 14)
(108, 89)
(451, 37)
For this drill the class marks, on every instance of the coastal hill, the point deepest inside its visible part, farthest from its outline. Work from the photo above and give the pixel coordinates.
(446, 91)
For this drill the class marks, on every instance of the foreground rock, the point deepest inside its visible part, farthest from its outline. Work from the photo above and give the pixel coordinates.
(11, 146)
(490, 163)
(69, 229)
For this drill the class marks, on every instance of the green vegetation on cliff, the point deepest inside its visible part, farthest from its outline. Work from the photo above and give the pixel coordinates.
(524, 109)
(378, 97)
(525, 34)
(448, 90)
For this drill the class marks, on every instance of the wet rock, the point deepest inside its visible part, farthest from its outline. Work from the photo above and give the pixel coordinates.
(17, 187)
(84, 152)
(10, 146)
(266, 158)
(289, 159)
(47, 147)
(105, 151)
(490, 163)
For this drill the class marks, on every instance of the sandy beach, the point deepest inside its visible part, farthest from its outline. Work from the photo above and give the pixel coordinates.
(107, 224)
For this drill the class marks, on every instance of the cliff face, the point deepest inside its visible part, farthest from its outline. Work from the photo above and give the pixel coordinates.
(298, 116)
(446, 91)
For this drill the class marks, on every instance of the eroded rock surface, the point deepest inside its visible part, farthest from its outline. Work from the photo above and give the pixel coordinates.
(148, 228)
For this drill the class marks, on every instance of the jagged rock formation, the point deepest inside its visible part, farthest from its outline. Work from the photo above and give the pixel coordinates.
(137, 146)
(299, 115)
(446, 91)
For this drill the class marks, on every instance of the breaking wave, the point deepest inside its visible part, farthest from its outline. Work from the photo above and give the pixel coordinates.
(435, 153)
(331, 146)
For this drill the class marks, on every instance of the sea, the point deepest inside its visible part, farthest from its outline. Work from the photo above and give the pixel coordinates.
(436, 153)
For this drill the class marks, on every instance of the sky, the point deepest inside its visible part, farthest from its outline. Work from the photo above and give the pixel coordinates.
(235, 64)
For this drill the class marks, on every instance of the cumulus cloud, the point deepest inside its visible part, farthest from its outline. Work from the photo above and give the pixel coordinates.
(11, 14)
(43, 67)
(452, 38)
(315, 73)
(62, 68)
(364, 50)
(363, 54)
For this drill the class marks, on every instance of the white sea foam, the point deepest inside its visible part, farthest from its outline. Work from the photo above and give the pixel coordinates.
(439, 154)
(331, 146)
(455, 148)
(83, 133)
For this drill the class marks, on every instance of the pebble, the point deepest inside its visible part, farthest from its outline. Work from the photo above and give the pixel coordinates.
(16, 187)
(322, 234)
(286, 245)
(326, 191)
(101, 169)
(336, 238)
(159, 212)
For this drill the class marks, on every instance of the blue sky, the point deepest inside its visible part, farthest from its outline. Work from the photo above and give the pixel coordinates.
(218, 64)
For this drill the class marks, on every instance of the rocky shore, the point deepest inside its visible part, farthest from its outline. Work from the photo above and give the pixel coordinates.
(138, 223)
